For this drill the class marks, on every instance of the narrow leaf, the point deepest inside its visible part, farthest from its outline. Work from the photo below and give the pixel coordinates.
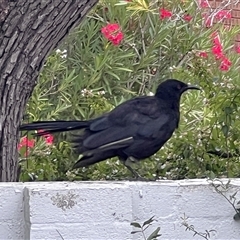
(148, 221)
(135, 224)
(133, 232)
(155, 234)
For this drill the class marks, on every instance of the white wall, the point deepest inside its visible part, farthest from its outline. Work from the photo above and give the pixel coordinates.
(104, 210)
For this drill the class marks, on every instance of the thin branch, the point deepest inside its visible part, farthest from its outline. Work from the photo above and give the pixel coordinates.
(192, 229)
(225, 188)
(60, 234)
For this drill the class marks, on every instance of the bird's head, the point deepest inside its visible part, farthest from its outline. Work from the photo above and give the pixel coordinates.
(173, 89)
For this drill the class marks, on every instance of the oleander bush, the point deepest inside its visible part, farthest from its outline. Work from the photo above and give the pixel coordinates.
(124, 49)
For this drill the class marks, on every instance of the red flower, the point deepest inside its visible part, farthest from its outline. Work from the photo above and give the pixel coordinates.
(217, 48)
(223, 14)
(238, 49)
(48, 137)
(116, 40)
(187, 17)
(203, 54)
(164, 13)
(26, 142)
(225, 64)
(227, 61)
(113, 33)
(29, 143)
(203, 3)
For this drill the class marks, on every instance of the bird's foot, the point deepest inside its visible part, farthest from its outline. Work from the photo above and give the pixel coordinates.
(136, 176)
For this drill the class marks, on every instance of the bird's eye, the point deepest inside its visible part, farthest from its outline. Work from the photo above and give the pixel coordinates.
(179, 86)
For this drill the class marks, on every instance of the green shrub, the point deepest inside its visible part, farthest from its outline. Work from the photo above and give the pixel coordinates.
(92, 74)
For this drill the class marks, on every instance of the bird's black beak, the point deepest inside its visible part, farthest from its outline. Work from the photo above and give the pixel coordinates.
(188, 87)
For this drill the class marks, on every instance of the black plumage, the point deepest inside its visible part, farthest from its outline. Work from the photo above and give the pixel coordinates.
(136, 129)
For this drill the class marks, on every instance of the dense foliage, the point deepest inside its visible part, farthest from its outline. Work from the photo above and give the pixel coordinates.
(124, 49)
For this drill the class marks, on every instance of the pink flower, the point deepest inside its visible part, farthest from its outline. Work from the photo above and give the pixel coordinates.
(203, 54)
(225, 64)
(116, 40)
(48, 137)
(226, 61)
(223, 14)
(112, 32)
(26, 142)
(164, 13)
(237, 48)
(187, 17)
(203, 3)
(217, 50)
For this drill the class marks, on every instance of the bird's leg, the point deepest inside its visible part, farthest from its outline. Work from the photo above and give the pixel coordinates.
(134, 173)
(157, 175)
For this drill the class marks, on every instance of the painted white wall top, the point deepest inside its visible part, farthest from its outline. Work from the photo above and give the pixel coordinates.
(104, 210)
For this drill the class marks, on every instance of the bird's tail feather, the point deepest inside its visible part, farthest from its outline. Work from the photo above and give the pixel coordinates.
(101, 153)
(91, 158)
(54, 126)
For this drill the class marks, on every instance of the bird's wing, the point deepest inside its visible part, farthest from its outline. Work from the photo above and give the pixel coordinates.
(152, 128)
(100, 123)
(137, 110)
(112, 135)
(138, 117)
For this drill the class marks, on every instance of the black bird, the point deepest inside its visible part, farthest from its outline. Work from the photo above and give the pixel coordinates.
(134, 130)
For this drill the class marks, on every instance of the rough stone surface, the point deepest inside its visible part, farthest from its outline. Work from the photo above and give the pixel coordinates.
(104, 210)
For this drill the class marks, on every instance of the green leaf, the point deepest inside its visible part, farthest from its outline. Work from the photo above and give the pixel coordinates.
(225, 130)
(148, 221)
(113, 74)
(155, 234)
(135, 224)
(133, 232)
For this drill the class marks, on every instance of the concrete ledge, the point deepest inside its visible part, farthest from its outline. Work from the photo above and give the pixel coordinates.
(104, 210)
